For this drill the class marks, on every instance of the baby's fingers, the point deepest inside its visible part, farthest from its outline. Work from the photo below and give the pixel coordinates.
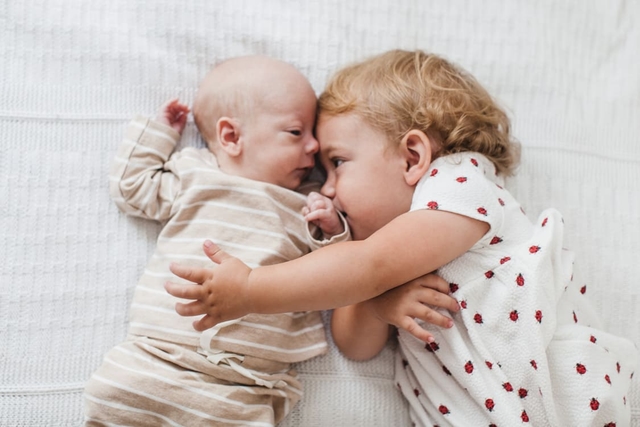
(313, 216)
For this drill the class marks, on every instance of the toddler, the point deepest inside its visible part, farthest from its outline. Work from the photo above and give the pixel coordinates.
(415, 151)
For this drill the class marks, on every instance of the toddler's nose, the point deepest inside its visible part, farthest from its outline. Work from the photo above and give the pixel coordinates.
(328, 188)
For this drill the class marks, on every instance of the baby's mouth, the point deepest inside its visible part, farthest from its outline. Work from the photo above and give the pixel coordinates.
(304, 173)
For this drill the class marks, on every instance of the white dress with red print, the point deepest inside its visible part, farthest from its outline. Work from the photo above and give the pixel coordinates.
(525, 347)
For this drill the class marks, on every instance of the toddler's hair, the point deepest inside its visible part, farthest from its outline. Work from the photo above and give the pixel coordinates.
(399, 90)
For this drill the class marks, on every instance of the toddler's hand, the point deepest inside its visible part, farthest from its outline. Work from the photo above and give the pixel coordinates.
(402, 305)
(220, 293)
(173, 114)
(321, 212)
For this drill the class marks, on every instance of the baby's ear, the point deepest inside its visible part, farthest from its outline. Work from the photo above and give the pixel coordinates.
(228, 133)
(416, 149)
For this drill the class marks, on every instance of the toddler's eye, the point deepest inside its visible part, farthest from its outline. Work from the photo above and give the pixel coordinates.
(336, 162)
(295, 132)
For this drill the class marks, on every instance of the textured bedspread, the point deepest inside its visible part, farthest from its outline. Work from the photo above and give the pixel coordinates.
(73, 72)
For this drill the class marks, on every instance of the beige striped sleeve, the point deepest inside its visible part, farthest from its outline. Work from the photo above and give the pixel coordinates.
(316, 240)
(315, 236)
(142, 180)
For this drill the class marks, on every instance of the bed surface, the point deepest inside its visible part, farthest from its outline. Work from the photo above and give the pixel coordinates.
(73, 72)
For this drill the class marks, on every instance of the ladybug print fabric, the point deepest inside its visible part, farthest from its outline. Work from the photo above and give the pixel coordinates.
(524, 348)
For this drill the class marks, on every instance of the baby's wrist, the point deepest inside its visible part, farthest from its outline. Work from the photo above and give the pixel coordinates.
(333, 231)
(162, 120)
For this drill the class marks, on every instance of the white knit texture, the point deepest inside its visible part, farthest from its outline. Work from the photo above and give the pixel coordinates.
(72, 73)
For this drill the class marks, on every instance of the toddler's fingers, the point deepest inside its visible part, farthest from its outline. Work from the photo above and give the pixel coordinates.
(204, 323)
(313, 216)
(193, 308)
(183, 291)
(411, 326)
(433, 281)
(196, 275)
(438, 299)
(429, 315)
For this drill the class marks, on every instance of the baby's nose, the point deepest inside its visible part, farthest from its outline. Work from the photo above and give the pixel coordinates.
(312, 145)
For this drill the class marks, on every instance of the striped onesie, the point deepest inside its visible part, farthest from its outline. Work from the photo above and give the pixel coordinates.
(239, 372)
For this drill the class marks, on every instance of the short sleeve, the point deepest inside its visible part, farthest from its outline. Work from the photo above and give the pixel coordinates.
(462, 184)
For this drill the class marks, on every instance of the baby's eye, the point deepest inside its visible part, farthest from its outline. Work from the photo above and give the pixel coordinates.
(336, 162)
(295, 132)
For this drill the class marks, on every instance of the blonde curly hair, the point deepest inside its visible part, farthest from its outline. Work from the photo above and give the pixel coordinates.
(398, 91)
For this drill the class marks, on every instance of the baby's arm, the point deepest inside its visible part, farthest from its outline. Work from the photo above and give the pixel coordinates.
(321, 212)
(410, 246)
(361, 330)
(142, 182)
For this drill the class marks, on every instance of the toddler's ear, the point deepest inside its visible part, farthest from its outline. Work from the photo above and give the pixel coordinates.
(228, 133)
(416, 149)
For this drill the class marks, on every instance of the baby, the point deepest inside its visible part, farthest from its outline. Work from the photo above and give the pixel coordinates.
(257, 117)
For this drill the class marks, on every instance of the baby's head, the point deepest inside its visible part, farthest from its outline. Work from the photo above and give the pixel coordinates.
(257, 116)
(398, 91)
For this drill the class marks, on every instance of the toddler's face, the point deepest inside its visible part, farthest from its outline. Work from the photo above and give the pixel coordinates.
(279, 144)
(365, 178)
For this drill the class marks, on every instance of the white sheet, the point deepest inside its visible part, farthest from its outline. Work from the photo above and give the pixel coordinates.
(72, 72)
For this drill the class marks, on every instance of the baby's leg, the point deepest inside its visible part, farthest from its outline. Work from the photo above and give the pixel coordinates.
(147, 382)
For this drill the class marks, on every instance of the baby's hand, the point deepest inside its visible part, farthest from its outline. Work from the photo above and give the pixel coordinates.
(219, 299)
(173, 114)
(321, 212)
(402, 305)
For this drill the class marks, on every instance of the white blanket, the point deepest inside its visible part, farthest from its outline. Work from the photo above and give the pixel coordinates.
(72, 73)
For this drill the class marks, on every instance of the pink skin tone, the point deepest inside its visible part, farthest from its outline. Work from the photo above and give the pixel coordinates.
(262, 126)
(289, 137)
(321, 211)
(276, 144)
(173, 114)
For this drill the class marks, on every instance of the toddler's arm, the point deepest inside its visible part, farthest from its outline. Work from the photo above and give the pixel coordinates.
(410, 246)
(418, 299)
(321, 212)
(361, 330)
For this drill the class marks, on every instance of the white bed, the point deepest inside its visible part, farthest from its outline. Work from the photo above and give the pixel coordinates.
(73, 72)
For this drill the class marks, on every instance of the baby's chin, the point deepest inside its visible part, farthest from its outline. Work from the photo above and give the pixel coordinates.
(296, 178)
